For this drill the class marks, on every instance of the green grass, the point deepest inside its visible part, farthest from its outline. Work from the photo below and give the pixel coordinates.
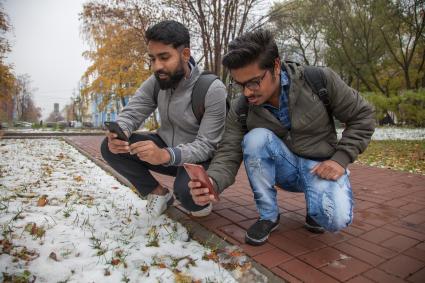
(408, 156)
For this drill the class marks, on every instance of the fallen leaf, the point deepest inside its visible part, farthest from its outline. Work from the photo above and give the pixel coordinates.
(115, 261)
(42, 201)
(162, 265)
(78, 178)
(53, 256)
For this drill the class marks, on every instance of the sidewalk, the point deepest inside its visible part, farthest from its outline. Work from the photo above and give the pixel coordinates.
(386, 242)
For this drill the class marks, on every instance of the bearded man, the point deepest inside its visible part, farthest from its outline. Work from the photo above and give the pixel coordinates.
(181, 137)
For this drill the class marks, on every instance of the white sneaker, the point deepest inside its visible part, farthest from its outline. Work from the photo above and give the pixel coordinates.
(158, 204)
(203, 212)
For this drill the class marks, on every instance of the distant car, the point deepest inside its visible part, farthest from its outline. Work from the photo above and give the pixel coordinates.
(50, 124)
(22, 124)
(88, 124)
(62, 124)
(4, 125)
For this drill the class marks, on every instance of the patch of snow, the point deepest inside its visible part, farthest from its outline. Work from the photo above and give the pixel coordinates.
(64, 219)
(393, 133)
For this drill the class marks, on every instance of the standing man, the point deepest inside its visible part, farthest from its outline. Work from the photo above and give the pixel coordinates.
(281, 129)
(181, 137)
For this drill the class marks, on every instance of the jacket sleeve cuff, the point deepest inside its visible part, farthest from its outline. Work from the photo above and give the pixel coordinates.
(341, 158)
(215, 185)
(125, 128)
(175, 156)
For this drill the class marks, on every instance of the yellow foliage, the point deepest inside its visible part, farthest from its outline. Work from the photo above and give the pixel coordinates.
(119, 64)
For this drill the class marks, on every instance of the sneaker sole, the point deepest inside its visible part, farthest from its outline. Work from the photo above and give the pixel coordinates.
(198, 214)
(314, 229)
(255, 242)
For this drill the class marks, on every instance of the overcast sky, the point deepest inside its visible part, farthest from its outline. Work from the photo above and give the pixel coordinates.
(46, 44)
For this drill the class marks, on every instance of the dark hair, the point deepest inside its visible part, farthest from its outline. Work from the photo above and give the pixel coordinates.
(250, 47)
(169, 32)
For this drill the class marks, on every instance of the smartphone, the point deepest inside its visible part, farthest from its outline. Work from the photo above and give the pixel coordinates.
(113, 127)
(197, 173)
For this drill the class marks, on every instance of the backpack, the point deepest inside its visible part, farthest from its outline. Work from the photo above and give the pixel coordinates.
(314, 77)
(199, 92)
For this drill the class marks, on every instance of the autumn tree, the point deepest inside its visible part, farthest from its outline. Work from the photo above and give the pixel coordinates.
(298, 31)
(7, 78)
(115, 31)
(215, 23)
(25, 108)
(403, 31)
(375, 45)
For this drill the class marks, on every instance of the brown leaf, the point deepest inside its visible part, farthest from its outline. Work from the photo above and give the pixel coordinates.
(53, 256)
(115, 261)
(7, 246)
(78, 178)
(42, 201)
(162, 265)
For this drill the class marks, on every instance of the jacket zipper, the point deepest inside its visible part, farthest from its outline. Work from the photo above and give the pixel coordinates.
(168, 116)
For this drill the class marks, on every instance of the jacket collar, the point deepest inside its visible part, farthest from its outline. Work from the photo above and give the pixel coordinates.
(195, 72)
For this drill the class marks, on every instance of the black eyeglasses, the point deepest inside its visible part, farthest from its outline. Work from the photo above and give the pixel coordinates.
(252, 84)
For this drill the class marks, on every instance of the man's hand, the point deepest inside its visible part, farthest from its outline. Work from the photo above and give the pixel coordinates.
(201, 196)
(329, 170)
(148, 151)
(115, 145)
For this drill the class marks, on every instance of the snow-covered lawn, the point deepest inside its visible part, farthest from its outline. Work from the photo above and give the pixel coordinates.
(393, 133)
(63, 219)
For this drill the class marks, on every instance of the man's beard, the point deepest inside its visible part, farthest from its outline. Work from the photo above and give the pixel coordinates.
(173, 78)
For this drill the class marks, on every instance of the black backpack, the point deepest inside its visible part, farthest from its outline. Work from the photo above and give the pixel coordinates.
(199, 92)
(314, 77)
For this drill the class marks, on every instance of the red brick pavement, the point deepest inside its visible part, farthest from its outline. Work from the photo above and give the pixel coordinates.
(386, 242)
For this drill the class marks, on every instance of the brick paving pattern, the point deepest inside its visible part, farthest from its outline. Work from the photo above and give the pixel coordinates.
(385, 243)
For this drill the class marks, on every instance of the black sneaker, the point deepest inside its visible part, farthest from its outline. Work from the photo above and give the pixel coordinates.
(259, 232)
(312, 226)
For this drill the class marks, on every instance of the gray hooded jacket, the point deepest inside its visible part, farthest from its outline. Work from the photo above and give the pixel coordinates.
(187, 140)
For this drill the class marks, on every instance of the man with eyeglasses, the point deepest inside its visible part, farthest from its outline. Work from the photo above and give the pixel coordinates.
(282, 131)
(181, 137)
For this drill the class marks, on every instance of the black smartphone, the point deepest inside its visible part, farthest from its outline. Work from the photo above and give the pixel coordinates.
(113, 127)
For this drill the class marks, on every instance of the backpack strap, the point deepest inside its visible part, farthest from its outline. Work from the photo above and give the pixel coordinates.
(199, 92)
(241, 109)
(315, 78)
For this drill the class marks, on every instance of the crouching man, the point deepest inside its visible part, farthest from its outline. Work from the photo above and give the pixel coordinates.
(282, 128)
(181, 137)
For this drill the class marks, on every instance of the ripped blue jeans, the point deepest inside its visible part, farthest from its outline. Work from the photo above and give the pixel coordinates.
(268, 162)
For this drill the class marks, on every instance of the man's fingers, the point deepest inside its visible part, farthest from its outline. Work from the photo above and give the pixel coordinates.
(194, 184)
(213, 199)
(138, 147)
(199, 192)
(203, 199)
(313, 170)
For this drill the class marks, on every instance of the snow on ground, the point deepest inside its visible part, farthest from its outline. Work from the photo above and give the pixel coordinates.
(393, 133)
(63, 219)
